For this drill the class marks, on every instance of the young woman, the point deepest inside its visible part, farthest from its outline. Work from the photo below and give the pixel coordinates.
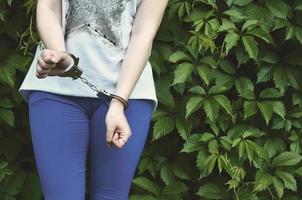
(113, 40)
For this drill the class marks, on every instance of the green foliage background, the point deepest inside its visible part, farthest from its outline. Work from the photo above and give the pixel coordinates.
(228, 80)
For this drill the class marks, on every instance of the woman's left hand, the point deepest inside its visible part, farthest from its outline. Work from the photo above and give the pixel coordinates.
(117, 127)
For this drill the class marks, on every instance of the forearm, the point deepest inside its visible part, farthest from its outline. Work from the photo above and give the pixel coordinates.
(147, 21)
(134, 61)
(48, 18)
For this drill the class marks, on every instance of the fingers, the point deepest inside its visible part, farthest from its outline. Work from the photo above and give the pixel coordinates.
(50, 56)
(47, 62)
(118, 137)
(42, 68)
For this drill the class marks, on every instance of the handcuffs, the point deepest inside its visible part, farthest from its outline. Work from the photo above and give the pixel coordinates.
(75, 72)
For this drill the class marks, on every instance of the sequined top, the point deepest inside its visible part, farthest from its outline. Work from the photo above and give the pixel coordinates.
(105, 21)
(98, 32)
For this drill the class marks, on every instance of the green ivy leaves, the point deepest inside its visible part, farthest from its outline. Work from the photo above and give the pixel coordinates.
(235, 81)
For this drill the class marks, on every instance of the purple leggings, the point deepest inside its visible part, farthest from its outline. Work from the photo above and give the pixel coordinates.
(64, 128)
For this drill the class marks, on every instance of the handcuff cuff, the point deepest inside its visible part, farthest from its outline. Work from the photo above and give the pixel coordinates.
(76, 72)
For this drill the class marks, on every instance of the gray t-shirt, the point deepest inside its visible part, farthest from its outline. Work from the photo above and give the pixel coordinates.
(98, 32)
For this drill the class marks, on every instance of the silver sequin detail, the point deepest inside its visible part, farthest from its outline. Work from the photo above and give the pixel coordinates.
(103, 16)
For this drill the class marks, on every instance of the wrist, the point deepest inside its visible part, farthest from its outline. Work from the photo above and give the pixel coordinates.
(68, 61)
(71, 63)
(116, 104)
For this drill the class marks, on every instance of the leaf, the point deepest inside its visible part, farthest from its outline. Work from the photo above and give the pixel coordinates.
(213, 147)
(179, 56)
(299, 171)
(224, 102)
(193, 104)
(162, 127)
(265, 74)
(270, 57)
(182, 72)
(142, 197)
(7, 75)
(163, 92)
(250, 108)
(290, 32)
(241, 149)
(250, 46)
(298, 34)
(166, 173)
(211, 108)
(245, 88)
(279, 187)
(176, 187)
(211, 191)
(9, 2)
(278, 8)
(210, 163)
(32, 187)
(205, 72)
(250, 148)
(242, 2)
(222, 79)
(197, 90)
(8, 117)
(226, 25)
(262, 181)
(241, 55)
(279, 108)
(270, 93)
(280, 77)
(262, 34)
(6, 103)
(287, 158)
(15, 182)
(227, 66)
(274, 145)
(217, 89)
(288, 180)
(266, 109)
(249, 24)
(205, 137)
(247, 194)
(193, 144)
(184, 127)
(202, 156)
(234, 13)
(19, 62)
(147, 185)
(230, 40)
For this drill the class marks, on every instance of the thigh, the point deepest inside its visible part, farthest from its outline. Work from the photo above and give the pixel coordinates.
(60, 136)
(113, 168)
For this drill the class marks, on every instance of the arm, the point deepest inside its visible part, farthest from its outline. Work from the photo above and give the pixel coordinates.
(145, 26)
(48, 18)
(53, 60)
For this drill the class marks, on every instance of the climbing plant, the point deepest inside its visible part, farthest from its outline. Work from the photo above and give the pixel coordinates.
(228, 124)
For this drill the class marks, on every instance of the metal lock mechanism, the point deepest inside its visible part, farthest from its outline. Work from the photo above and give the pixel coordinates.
(75, 71)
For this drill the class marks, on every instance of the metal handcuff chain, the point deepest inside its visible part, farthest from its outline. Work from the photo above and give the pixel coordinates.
(76, 72)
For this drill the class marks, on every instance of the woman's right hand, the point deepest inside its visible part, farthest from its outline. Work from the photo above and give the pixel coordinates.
(52, 63)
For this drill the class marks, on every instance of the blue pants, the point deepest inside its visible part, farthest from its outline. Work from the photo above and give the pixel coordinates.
(64, 128)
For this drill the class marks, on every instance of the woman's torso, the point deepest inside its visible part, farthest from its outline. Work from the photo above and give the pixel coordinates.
(101, 47)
